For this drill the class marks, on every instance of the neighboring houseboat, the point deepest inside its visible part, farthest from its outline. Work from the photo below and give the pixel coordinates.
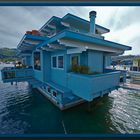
(67, 59)
(135, 71)
(136, 65)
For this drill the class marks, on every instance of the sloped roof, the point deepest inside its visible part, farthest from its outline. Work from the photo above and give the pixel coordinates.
(70, 18)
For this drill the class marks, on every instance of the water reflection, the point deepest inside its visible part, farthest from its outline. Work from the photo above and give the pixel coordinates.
(125, 111)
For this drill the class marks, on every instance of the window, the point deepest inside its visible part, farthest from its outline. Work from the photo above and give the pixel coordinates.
(37, 63)
(49, 89)
(60, 62)
(54, 61)
(75, 60)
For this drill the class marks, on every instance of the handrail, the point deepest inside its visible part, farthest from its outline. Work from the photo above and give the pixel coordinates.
(14, 73)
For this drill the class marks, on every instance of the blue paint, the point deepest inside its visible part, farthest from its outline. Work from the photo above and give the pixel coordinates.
(46, 66)
(62, 80)
(35, 37)
(95, 61)
(89, 87)
(28, 60)
(92, 21)
(84, 58)
(68, 3)
(82, 37)
(59, 75)
(38, 74)
(83, 21)
(107, 60)
(17, 74)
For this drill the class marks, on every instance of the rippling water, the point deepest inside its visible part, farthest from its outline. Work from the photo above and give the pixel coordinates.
(24, 111)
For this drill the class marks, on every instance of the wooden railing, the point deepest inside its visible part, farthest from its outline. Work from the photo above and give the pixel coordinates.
(12, 73)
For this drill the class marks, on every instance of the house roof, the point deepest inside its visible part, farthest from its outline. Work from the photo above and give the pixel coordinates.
(84, 38)
(86, 23)
(29, 42)
(72, 19)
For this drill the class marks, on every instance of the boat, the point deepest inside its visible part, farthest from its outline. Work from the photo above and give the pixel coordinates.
(67, 60)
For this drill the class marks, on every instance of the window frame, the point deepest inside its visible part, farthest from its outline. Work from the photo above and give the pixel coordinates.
(52, 62)
(73, 56)
(57, 62)
(33, 60)
(63, 62)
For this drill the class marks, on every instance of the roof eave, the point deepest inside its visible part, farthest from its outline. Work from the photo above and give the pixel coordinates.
(78, 36)
(31, 37)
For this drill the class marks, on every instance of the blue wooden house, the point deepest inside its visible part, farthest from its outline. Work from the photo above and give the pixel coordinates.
(66, 60)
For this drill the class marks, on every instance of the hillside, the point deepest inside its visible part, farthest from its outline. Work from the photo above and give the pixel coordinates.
(8, 54)
(124, 59)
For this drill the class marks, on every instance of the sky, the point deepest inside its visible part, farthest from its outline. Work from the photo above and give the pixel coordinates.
(123, 22)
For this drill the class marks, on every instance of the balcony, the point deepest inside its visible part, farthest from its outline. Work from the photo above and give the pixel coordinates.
(11, 74)
(89, 87)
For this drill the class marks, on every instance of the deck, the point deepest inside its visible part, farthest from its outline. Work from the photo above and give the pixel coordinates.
(13, 74)
(134, 76)
(89, 87)
(80, 87)
(131, 86)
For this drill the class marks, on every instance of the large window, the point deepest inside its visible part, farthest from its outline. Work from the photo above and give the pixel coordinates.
(74, 60)
(54, 62)
(37, 63)
(60, 62)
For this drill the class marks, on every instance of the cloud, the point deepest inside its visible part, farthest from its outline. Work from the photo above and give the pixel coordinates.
(123, 22)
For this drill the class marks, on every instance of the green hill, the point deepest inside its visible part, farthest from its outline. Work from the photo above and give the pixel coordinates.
(8, 54)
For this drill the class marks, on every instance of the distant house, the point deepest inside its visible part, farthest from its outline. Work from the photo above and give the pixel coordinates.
(136, 65)
(68, 57)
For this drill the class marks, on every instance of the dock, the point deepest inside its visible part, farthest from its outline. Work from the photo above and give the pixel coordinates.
(131, 86)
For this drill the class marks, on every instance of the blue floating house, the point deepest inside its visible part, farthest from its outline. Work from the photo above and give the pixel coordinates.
(67, 60)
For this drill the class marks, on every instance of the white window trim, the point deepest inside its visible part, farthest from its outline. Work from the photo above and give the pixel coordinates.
(73, 56)
(57, 62)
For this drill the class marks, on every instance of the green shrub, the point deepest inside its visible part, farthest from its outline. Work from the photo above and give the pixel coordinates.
(80, 69)
(75, 68)
(84, 69)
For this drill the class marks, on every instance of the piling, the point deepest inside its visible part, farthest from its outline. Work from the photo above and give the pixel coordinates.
(89, 107)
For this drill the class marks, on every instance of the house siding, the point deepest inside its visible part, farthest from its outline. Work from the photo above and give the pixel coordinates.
(59, 75)
(95, 61)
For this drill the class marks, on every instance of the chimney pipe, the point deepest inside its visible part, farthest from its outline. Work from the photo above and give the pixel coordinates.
(92, 16)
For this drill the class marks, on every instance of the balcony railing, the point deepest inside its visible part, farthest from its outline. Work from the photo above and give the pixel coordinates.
(89, 87)
(10, 74)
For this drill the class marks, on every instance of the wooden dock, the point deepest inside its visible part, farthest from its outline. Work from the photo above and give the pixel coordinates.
(135, 77)
(131, 86)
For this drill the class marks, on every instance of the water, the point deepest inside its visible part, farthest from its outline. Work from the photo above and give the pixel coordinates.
(23, 111)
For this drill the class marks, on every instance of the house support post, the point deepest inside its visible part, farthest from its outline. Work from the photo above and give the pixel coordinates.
(89, 106)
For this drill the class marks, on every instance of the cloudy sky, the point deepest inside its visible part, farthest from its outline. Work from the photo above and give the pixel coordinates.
(123, 22)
